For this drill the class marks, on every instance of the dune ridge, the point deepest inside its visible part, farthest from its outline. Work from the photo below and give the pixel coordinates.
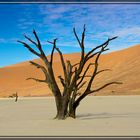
(124, 65)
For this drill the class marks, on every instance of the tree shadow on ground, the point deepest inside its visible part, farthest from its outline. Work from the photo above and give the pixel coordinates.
(102, 115)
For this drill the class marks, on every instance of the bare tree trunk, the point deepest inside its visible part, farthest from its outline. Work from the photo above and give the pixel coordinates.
(62, 107)
(58, 101)
(72, 111)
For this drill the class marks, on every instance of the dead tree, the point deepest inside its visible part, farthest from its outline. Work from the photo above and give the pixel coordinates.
(16, 95)
(73, 80)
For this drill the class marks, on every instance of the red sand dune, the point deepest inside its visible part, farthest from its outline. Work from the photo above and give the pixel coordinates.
(124, 65)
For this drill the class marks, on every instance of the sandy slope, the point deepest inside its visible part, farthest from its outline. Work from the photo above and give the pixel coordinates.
(96, 116)
(125, 66)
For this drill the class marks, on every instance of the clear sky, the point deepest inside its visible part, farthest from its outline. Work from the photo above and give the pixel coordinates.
(57, 20)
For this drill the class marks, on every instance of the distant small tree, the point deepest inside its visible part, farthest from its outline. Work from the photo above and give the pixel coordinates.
(16, 97)
(69, 99)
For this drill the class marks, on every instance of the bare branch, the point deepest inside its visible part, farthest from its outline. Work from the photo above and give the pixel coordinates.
(39, 66)
(91, 56)
(100, 46)
(74, 86)
(75, 64)
(83, 37)
(43, 70)
(69, 70)
(95, 70)
(82, 77)
(50, 42)
(102, 87)
(81, 43)
(37, 80)
(29, 48)
(86, 76)
(69, 65)
(54, 46)
(103, 71)
(38, 45)
(89, 92)
(74, 30)
(38, 41)
(81, 85)
(62, 62)
(35, 64)
(31, 40)
(42, 56)
(61, 80)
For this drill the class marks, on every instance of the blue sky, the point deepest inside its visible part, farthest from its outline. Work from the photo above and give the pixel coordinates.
(57, 20)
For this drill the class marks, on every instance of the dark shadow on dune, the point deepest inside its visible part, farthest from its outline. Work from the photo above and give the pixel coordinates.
(102, 116)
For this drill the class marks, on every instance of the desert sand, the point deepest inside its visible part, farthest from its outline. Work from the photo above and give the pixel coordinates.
(96, 116)
(124, 65)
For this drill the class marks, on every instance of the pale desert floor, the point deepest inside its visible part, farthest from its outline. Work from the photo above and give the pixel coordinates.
(96, 116)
